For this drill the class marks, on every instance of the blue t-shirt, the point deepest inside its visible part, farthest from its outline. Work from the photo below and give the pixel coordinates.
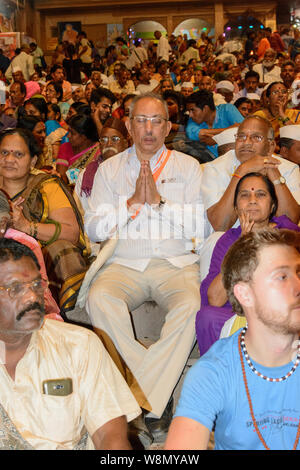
(226, 116)
(213, 394)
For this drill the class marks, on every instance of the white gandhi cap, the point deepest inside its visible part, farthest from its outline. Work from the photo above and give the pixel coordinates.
(226, 137)
(290, 132)
(226, 84)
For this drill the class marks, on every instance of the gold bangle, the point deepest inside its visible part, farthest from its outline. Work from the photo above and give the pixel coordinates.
(235, 174)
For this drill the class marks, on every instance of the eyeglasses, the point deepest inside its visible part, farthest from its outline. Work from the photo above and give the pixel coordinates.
(279, 92)
(155, 120)
(16, 153)
(254, 137)
(19, 288)
(115, 139)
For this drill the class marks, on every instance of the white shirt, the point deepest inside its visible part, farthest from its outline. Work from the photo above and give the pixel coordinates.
(143, 88)
(168, 233)
(163, 49)
(190, 53)
(218, 173)
(25, 62)
(266, 76)
(63, 351)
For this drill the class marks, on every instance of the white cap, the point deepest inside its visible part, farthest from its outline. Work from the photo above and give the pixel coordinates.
(290, 132)
(253, 96)
(226, 84)
(187, 85)
(226, 137)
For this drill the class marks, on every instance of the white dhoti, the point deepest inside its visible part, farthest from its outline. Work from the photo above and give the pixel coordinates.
(118, 290)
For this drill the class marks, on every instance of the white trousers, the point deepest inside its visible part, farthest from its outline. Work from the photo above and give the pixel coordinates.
(118, 290)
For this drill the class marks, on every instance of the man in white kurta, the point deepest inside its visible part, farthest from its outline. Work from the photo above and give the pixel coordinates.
(154, 257)
(163, 47)
(253, 152)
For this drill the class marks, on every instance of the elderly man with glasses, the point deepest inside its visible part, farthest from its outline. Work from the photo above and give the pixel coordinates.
(60, 390)
(146, 205)
(254, 147)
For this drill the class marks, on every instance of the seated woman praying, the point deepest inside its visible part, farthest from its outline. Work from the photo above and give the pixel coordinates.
(255, 202)
(43, 208)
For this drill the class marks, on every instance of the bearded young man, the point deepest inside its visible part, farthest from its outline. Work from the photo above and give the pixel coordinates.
(246, 387)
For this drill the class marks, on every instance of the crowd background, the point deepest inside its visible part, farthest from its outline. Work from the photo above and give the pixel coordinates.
(69, 115)
(76, 106)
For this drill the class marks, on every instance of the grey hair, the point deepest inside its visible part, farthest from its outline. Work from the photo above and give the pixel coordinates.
(271, 133)
(153, 96)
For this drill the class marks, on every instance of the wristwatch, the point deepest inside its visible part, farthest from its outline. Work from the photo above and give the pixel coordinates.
(160, 205)
(280, 180)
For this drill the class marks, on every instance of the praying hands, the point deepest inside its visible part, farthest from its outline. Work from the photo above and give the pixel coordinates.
(145, 189)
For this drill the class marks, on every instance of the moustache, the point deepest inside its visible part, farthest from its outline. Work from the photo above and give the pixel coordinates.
(34, 306)
(109, 149)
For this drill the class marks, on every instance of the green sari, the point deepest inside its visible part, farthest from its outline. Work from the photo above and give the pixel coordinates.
(66, 263)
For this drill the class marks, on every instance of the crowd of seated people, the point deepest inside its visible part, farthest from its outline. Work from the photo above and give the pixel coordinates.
(213, 122)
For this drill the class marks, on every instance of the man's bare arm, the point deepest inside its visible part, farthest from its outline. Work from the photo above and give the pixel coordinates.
(287, 204)
(222, 215)
(112, 435)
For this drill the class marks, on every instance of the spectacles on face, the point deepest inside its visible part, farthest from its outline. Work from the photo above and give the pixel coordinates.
(16, 153)
(156, 121)
(19, 288)
(115, 139)
(255, 138)
(279, 92)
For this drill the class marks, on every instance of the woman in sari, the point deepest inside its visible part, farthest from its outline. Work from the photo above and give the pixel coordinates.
(255, 202)
(54, 94)
(43, 208)
(84, 147)
(51, 307)
(276, 110)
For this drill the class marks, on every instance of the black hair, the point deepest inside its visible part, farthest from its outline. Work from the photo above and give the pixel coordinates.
(288, 62)
(241, 100)
(84, 125)
(268, 183)
(23, 89)
(177, 96)
(268, 90)
(10, 249)
(180, 100)
(253, 74)
(55, 67)
(28, 138)
(55, 108)
(58, 88)
(28, 122)
(99, 93)
(81, 108)
(202, 98)
(40, 104)
(286, 142)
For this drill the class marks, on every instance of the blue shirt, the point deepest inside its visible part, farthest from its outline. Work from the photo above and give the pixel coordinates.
(226, 115)
(213, 393)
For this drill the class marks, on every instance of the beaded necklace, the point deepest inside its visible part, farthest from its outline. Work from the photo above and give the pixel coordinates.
(269, 379)
(241, 343)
